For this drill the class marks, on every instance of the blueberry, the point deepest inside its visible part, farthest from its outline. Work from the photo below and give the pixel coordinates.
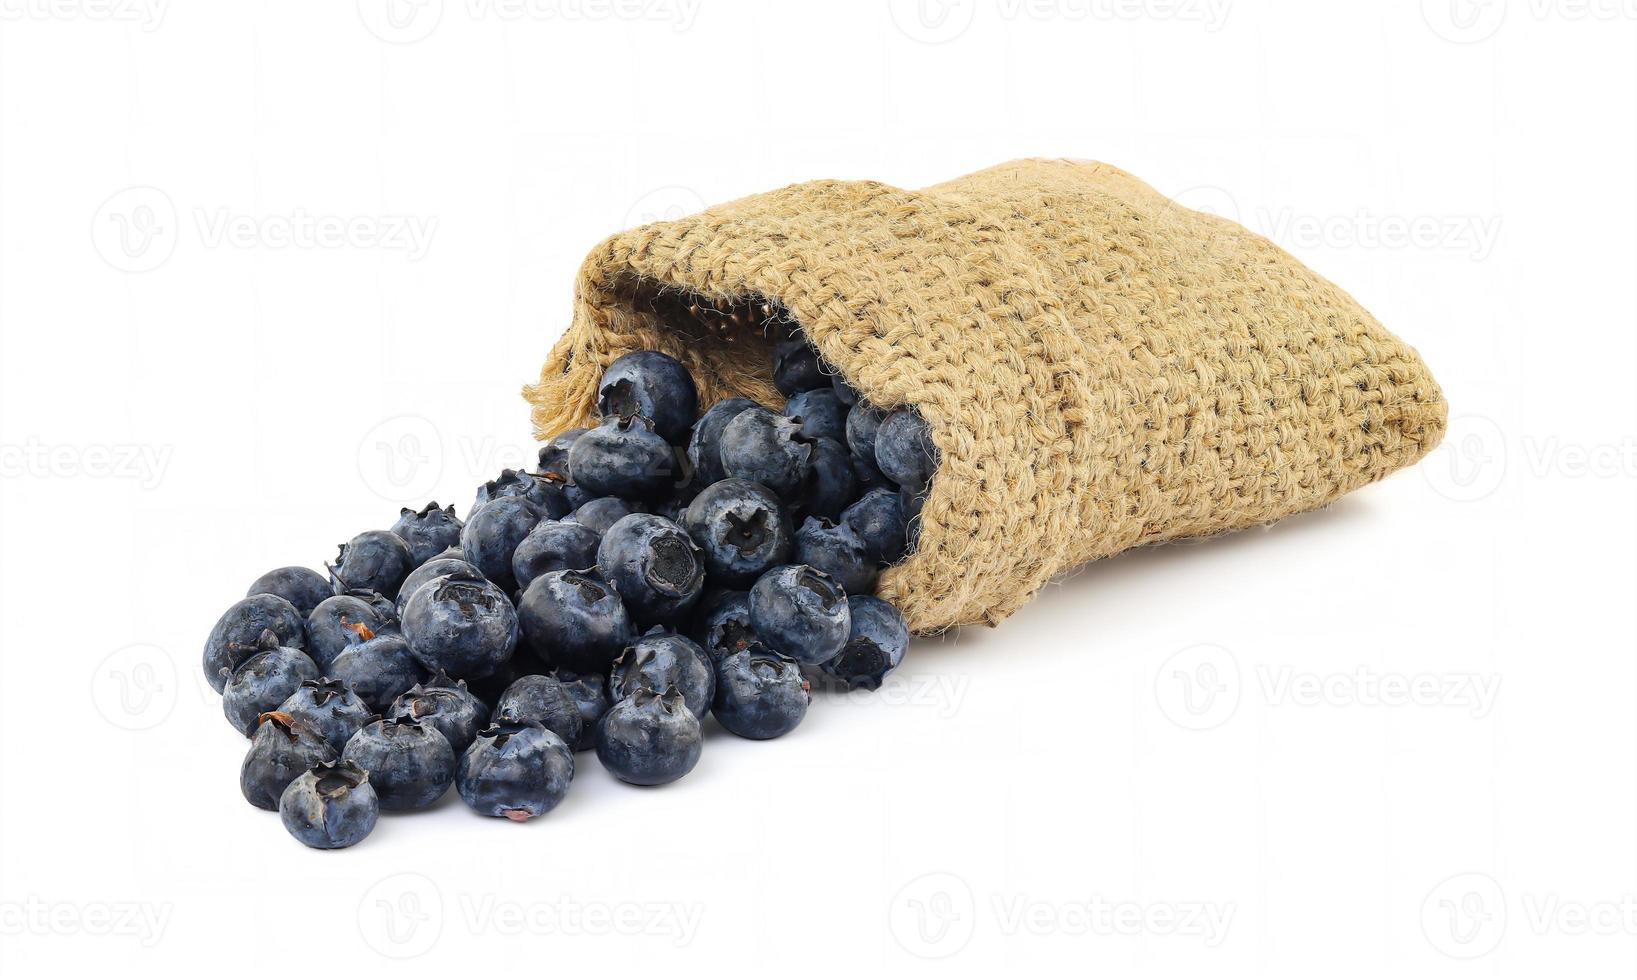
(445, 704)
(300, 587)
(428, 531)
(830, 485)
(444, 564)
(660, 660)
(328, 707)
(867, 476)
(283, 748)
(838, 551)
(796, 367)
(553, 546)
(516, 771)
(741, 529)
(542, 698)
(574, 619)
(330, 627)
(600, 513)
(236, 637)
(590, 694)
(862, 424)
(904, 450)
(760, 694)
(800, 612)
(767, 449)
(654, 566)
(653, 385)
(722, 625)
(549, 496)
(461, 624)
(624, 456)
(329, 806)
(705, 445)
(878, 520)
(875, 644)
(821, 413)
(648, 738)
(410, 764)
(378, 667)
(492, 533)
(263, 682)
(554, 455)
(844, 391)
(375, 560)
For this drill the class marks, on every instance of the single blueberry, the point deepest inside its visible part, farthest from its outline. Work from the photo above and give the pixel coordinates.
(648, 738)
(428, 531)
(541, 698)
(446, 563)
(760, 694)
(331, 626)
(283, 748)
(554, 455)
(660, 660)
(329, 806)
(830, 485)
(590, 694)
(263, 682)
(516, 771)
(328, 707)
(904, 450)
(574, 619)
(600, 513)
(378, 667)
(236, 637)
(492, 533)
(862, 424)
(838, 551)
(875, 643)
(800, 612)
(741, 529)
(301, 587)
(878, 520)
(410, 764)
(445, 704)
(553, 546)
(654, 566)
(549, 496)
(797, 368)
(705, 445)
(375, 560)
(625, 457)
(653, 385)
(844, 391)
(867, 476)
(767, 449)
(821, 413)
(461, 624)
(722, 625)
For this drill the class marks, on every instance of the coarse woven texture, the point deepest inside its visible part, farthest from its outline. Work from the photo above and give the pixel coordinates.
(1100, 366)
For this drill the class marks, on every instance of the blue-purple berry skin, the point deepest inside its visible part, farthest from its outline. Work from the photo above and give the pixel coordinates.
(554, 455)
(876, 642)
(822, 414)
(282, 748)
(877, 518)
(411, 765)
(461, 624)
(838, 551)
(375, 560)
(660, 660)
(721, 624)
(705, 445)
(428, 531)
(863, 422)
(800, 612)
(554, 546)
(654, 566)
(574, 619)
(760, 694)
(548, 495)
(590, 694)
(330, 708)
(742, 529)
(264, 682)
(545, 699)
(492, 533)
(301, 587)
(447, 705)
(330, 806)
(844, 391)
(236, 637)
(516, 771)
(332, 626)
(831, 484)
(624, 457)
(904, 450)
(443, 564)
(767, 449)
(378, 668)
(654, 385)
(797, 367)
(650, 738)
(601, 513)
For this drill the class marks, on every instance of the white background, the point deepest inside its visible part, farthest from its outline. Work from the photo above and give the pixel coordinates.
(270, 270)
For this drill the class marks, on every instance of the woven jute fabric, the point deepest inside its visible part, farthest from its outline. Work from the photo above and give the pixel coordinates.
(1100, 367)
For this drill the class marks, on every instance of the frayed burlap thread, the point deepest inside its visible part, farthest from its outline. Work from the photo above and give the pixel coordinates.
(1100, 367)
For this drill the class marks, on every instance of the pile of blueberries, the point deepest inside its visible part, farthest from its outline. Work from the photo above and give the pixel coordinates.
(660, 568)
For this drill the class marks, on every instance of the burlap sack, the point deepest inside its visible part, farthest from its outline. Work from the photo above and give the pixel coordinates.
(1100, 367)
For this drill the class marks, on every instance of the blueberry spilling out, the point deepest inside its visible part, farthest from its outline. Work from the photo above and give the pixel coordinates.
(661, 566)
